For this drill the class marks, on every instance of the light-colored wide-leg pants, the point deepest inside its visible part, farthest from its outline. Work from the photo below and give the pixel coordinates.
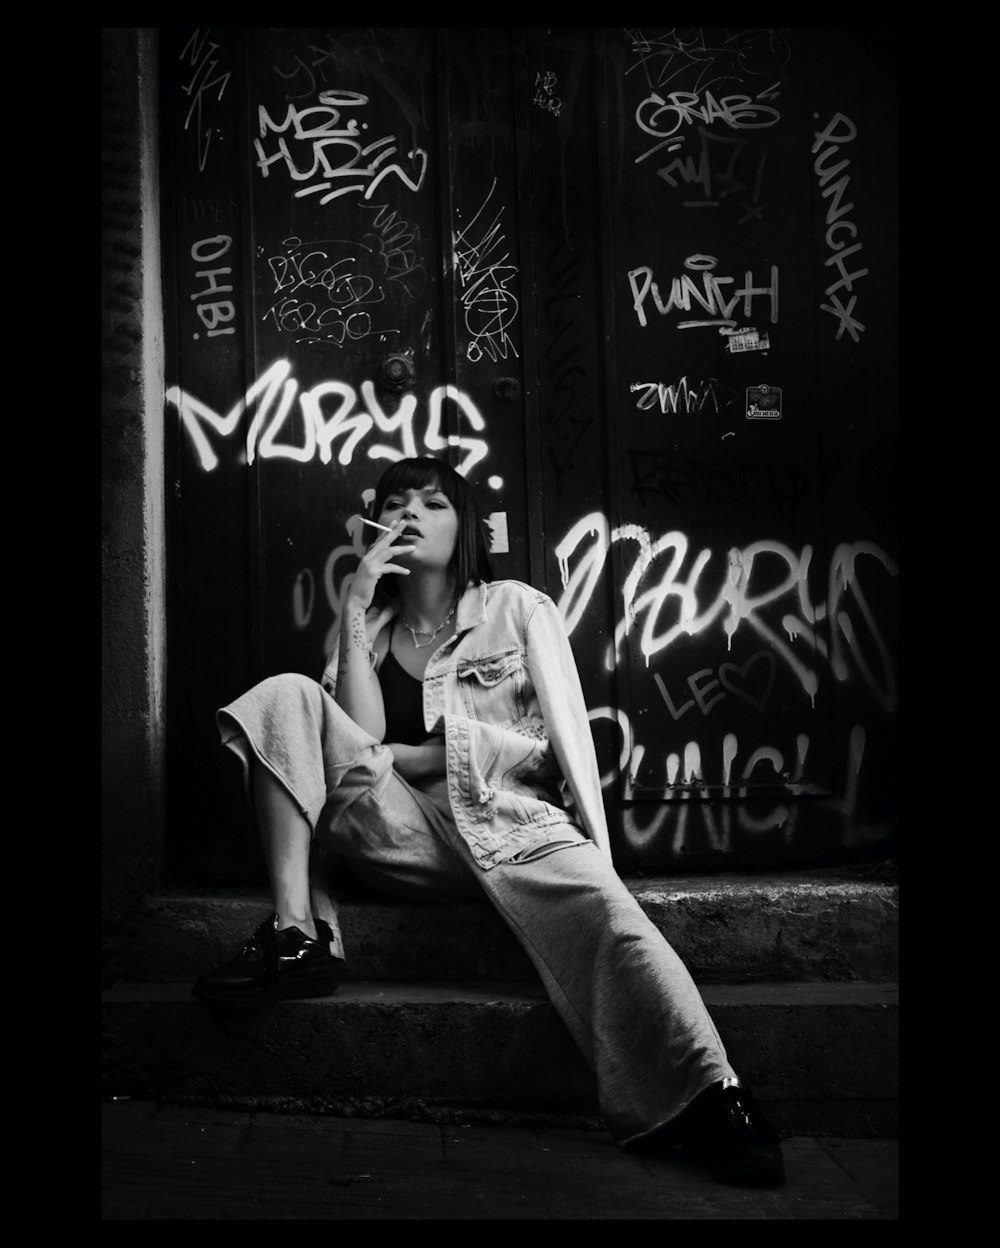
(624, 994)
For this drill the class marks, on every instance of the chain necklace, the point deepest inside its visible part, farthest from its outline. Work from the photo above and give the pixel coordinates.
(423, 632)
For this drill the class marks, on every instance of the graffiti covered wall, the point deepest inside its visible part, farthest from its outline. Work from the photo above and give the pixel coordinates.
(637, 285)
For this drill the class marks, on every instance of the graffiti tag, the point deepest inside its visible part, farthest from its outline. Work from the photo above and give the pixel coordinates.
(326, 151)
(839, 131)
(737, 601)
(272, 398)
(201, 57)
(490, 308)
(711, 297)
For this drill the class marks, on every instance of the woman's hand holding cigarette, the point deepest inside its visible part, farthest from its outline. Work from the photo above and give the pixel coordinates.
(376, 562)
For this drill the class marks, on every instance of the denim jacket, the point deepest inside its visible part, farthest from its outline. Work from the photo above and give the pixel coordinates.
(505, 692)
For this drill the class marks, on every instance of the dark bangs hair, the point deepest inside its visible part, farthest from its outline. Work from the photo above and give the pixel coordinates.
(471, 561)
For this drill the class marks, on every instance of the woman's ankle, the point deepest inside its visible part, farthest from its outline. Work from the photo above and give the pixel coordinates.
(305, 923)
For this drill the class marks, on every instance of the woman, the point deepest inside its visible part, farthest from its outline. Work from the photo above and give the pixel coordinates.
(447, 754)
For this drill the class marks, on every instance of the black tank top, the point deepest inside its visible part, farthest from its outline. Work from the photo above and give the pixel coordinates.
(403, 696)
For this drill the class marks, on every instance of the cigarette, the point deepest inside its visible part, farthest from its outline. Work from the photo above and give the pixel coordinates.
(375, 525)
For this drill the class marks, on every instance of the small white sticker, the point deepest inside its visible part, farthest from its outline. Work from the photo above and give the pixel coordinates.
(497, 520)
(751, 341)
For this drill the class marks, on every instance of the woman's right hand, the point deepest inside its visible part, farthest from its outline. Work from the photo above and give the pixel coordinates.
(374, 564)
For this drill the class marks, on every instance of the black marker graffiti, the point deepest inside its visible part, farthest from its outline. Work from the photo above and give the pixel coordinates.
(688, 484)
(563, 358)
(751, 682)
(396, 242)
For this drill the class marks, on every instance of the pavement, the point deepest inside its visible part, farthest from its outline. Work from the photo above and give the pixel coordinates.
(166, 1161)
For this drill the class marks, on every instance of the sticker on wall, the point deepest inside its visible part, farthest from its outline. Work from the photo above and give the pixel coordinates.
(745, 339)
(497, 522)
(763, 402)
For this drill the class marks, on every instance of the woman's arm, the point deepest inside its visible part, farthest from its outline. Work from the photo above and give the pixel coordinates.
(358, 690)
(418, 762)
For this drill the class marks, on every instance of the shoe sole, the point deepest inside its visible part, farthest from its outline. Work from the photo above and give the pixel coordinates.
(324, 985)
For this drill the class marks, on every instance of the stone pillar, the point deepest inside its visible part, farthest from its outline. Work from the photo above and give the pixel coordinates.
(133, 546)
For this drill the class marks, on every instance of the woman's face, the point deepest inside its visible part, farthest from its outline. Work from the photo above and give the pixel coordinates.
(430, 525)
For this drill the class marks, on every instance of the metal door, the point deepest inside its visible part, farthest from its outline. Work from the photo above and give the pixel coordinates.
(597, 270)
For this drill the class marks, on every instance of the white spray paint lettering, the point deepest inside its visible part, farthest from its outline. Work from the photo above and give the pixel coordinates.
(307, 272)
(711, 296)
(717, 185)
(840, 130)
(217, 312)
(490, 308)
(688, 818)
(543, 97)
(200, 53)
(683, 396)
(272, 398)
(735, 604)
(663, 118)
(321, 140)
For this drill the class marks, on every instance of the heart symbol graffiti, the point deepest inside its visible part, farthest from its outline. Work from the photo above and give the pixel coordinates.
(727, 680)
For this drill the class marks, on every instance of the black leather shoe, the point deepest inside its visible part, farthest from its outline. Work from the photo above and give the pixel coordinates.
(272, 966)
(725, 1131)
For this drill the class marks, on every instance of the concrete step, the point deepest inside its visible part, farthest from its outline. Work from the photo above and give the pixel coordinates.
(821, 1057)
(836, 924)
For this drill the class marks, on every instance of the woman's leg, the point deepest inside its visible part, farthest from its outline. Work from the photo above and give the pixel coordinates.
(625, 995)
(318, 782)
(663, 1076)
(289, 955)
(286, 838)
(301, 756)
